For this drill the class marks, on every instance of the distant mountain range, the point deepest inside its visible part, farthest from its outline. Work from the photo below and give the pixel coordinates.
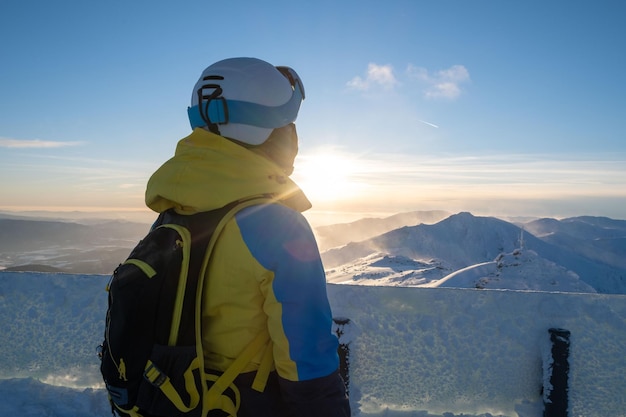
(576, 254)
(95, 247)
(339, 234)
(422, 248)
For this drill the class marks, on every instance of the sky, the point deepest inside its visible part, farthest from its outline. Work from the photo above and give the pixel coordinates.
(494, 107)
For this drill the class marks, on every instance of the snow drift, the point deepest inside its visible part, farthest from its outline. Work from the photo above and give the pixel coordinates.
(418, 352)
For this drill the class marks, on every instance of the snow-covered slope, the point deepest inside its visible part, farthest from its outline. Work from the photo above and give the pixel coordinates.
(520, 270)
(419, 255)
(384, 269)
(597, 238)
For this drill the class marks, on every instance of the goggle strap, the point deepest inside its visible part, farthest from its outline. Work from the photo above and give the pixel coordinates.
(223, 111)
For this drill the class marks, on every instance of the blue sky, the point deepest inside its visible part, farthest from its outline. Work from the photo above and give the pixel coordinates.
(494, 107)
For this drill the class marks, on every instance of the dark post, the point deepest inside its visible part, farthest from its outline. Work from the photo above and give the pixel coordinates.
(555, 396)
(343, 351)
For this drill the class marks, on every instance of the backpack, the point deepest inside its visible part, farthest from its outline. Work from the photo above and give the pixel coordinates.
(152, 360)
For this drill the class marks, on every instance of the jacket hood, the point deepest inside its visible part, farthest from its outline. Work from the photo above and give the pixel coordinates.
(209, 171)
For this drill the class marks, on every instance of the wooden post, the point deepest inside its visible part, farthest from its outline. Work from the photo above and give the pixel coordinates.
(555, 390)
(343, 350)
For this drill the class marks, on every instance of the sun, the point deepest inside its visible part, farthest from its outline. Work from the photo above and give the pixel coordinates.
(328, 176)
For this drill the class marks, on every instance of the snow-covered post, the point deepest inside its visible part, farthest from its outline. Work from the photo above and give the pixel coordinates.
(556, 372)
(344, 349)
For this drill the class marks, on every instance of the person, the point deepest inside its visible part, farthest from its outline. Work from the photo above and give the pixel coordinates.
(265, 274)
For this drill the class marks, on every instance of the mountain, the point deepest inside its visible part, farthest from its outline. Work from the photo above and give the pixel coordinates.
(97, 247)
(339, 234)
(427, 254)
(519, 270)
(422, 248)
(598, 238)
(30, 235)
(412, 349)
(457, 241)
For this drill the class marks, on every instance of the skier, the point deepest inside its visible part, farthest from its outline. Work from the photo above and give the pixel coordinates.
(265, 274)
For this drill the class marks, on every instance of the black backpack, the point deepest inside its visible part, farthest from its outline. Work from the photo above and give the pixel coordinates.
(152, 358)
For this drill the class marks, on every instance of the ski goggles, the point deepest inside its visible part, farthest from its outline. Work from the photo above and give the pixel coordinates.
(293, 78)
(218, 110)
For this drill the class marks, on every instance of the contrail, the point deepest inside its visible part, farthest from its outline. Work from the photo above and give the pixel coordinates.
(430, 124)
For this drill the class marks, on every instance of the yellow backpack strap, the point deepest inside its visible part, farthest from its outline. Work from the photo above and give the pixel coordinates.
(265, 367)
(214, 397)
(224, 402)
(160, 380)
(133, 412)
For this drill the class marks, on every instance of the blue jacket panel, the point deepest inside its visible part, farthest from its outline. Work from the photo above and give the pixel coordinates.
(281, 240)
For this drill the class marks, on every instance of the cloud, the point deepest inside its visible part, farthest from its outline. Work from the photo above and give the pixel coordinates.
(429, 124)
(128, 185)
(391, 176)
(442, 84)
(34, 143)
(381, 75)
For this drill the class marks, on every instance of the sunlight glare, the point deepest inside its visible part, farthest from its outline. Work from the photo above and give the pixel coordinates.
(328, 176)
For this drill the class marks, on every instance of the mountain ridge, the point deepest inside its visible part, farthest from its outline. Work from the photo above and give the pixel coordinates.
(461, 241)
(591, 248)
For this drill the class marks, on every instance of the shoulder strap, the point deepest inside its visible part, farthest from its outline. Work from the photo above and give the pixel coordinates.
(214, 398)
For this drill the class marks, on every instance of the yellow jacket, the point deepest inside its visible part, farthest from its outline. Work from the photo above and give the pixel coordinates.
(265, 274)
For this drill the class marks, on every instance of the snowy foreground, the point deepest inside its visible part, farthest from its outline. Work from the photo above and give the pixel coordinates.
(415, 352)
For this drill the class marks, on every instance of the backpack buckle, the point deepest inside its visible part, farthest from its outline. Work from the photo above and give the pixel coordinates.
(154, 375)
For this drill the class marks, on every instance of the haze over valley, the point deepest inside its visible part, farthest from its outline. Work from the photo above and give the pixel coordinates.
(420, 248)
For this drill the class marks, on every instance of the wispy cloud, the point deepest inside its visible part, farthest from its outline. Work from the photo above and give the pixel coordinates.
(50, 180)
(34, 143)
(442, 84)
(429, 124)
(476, 176)
(377, 75)
(529, 185)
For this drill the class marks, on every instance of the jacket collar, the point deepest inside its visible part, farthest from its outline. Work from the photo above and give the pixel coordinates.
(209, 171)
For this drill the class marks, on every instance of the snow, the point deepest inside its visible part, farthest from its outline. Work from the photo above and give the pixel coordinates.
(484, 252)
(415, 352)
(480, 351)
(28, 397)
(518, 270)
(446, 319)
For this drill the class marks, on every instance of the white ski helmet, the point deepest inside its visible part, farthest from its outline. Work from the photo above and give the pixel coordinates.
(245, 99)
